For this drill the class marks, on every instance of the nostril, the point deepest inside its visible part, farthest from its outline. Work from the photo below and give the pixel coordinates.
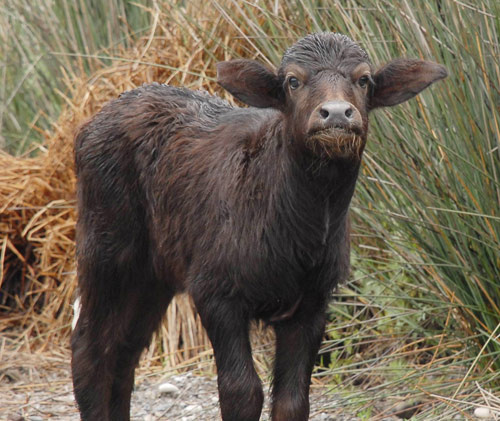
(341, 114)
(324, 113)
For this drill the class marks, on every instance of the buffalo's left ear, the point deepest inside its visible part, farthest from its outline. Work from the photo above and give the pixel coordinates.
(402, 79)
(251, 82)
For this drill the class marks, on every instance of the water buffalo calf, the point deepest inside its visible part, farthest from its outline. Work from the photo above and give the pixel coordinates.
(246, 209)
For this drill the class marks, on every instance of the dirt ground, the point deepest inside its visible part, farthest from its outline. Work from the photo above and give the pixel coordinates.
(38, 387)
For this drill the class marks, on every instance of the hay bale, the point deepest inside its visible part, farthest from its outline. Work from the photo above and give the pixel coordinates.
(37, 200)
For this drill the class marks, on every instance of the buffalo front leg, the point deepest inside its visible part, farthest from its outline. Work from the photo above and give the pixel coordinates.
(297, 344)
(240, 389)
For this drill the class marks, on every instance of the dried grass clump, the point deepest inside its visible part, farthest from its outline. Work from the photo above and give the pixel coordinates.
(37, 204)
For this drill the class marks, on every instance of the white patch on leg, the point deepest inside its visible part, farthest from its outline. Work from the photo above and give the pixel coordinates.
(76, 312)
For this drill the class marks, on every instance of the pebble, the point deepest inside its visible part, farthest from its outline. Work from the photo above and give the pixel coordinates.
(66, 398)
(168, 388)
(482, 412)
(193, 408)
(405, 410)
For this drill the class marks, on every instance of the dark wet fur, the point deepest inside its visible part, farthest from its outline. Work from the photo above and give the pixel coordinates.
(324, 50)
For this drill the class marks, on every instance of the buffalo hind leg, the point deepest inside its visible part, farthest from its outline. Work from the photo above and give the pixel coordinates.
(141, 326)
(91, 368)
(106, 348)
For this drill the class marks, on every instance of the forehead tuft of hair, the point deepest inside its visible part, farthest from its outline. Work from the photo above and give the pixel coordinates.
(324, 49)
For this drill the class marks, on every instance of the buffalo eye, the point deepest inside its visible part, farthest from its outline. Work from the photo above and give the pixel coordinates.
(293, 82)
(363, 81)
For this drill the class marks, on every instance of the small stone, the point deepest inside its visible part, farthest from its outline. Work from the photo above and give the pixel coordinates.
(193, 408)
(482, 412)
(406, 410)
(148, 417)
(66, 398)
(168, 388)
(162, 406)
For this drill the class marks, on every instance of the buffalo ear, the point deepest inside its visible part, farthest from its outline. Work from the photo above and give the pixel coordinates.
(251, 82)
(402, 79)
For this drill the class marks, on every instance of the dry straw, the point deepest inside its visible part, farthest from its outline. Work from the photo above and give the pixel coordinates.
(37, 206)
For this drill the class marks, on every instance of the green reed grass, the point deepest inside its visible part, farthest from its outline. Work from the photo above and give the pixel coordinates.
(45, 42)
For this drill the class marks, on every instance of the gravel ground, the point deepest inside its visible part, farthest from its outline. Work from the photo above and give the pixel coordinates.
(37, 387)
(195, 399)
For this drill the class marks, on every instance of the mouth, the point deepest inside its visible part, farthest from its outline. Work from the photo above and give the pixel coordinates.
(337, 142)
(336, 132)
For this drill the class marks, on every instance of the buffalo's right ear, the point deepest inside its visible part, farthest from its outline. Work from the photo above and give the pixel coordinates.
(251, 82)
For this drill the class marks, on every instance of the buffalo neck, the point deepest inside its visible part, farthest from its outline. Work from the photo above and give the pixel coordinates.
(304, 196)
(316, 182)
